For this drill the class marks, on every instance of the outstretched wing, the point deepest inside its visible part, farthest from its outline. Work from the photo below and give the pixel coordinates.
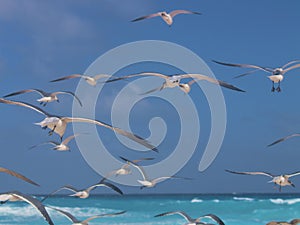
(146, 17)
(154, 89)
(211, 80)
(54, 143)
(68, 139)
(127, 134)
(251, 173)
(42, 93)
(66, 214)
(177, 12)
(290, 63)
(66, 187)
(284, 138)
(105, 184)
(137, 75)
(214, 217)
(102, 215)
(244, 66)
(35, 108)
(67, 77)
(291, 68)
(293, 174)
(18, 175)
(181, 213)
(69, 93)
(35, 203)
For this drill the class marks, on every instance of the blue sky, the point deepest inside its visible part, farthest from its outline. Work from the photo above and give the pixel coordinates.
(41, 41)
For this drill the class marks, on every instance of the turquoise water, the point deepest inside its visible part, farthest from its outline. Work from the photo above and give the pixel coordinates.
(232, 209)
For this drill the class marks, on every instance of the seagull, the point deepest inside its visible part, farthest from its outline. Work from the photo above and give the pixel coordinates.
(292, 222)
(125, 170)
(58, 124)
(90, 80)
(174, 81)
(18, 196)
(46, 96)
(277, 74)
(20, 176)
(167, 17)
(85, 193)
(192, 221)
(63, 146)
(281, 180)
(146, 182)
(284, 138)
(75, 221)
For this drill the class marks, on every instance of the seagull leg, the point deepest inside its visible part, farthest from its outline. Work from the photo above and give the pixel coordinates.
(278, 89)
(273, 88)
(51, 132)
(45, 104)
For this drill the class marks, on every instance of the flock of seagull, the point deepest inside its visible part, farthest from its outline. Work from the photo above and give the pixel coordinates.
(58, 124)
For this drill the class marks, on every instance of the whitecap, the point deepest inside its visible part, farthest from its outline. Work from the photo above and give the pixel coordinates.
(285, 201)
(196, 200)
(243, 199)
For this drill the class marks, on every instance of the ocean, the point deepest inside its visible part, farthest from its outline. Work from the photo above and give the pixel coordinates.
(246, 209)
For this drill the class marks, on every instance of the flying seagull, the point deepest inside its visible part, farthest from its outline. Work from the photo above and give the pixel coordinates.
(174, 81)
(18, 196)
(85, 193)
(89, 79)
(167, 17)
(281, 180)
(58, 124)
(192, 221)
(20, 176)
(75, 221)
(292, 222)
(284, 138)
(46, 96)
(277, 74)
(63, 146)
(146, 182)
(125, 169)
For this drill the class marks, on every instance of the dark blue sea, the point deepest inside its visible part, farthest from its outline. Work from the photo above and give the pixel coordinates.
(246, 209)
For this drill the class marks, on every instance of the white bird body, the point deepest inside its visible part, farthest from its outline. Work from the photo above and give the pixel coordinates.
(81, 194)
(276, 78)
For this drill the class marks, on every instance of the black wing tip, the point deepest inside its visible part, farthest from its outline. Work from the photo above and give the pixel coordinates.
(275, 142)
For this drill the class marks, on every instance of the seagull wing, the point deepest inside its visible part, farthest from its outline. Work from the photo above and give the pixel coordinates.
(177, 12)
(35, 108)
(101, 215)
(290, 63)
(146, 17)
(99, 76)
(291, 68)
(42, 93)
(35, 203)
(181, 213)
(211, 80)
(141, 159)
(154, 90)
(293, 174)
(68, 139)
(54, 143)
(214, 217)
(156, 180)
(67, 77)
(127, 134)
(66, 187)
(20, 176)
(66, 214)
(137, 75)
(105, 184)
(251, 173)
(284, 138)
(244, 66)
(69, 93)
